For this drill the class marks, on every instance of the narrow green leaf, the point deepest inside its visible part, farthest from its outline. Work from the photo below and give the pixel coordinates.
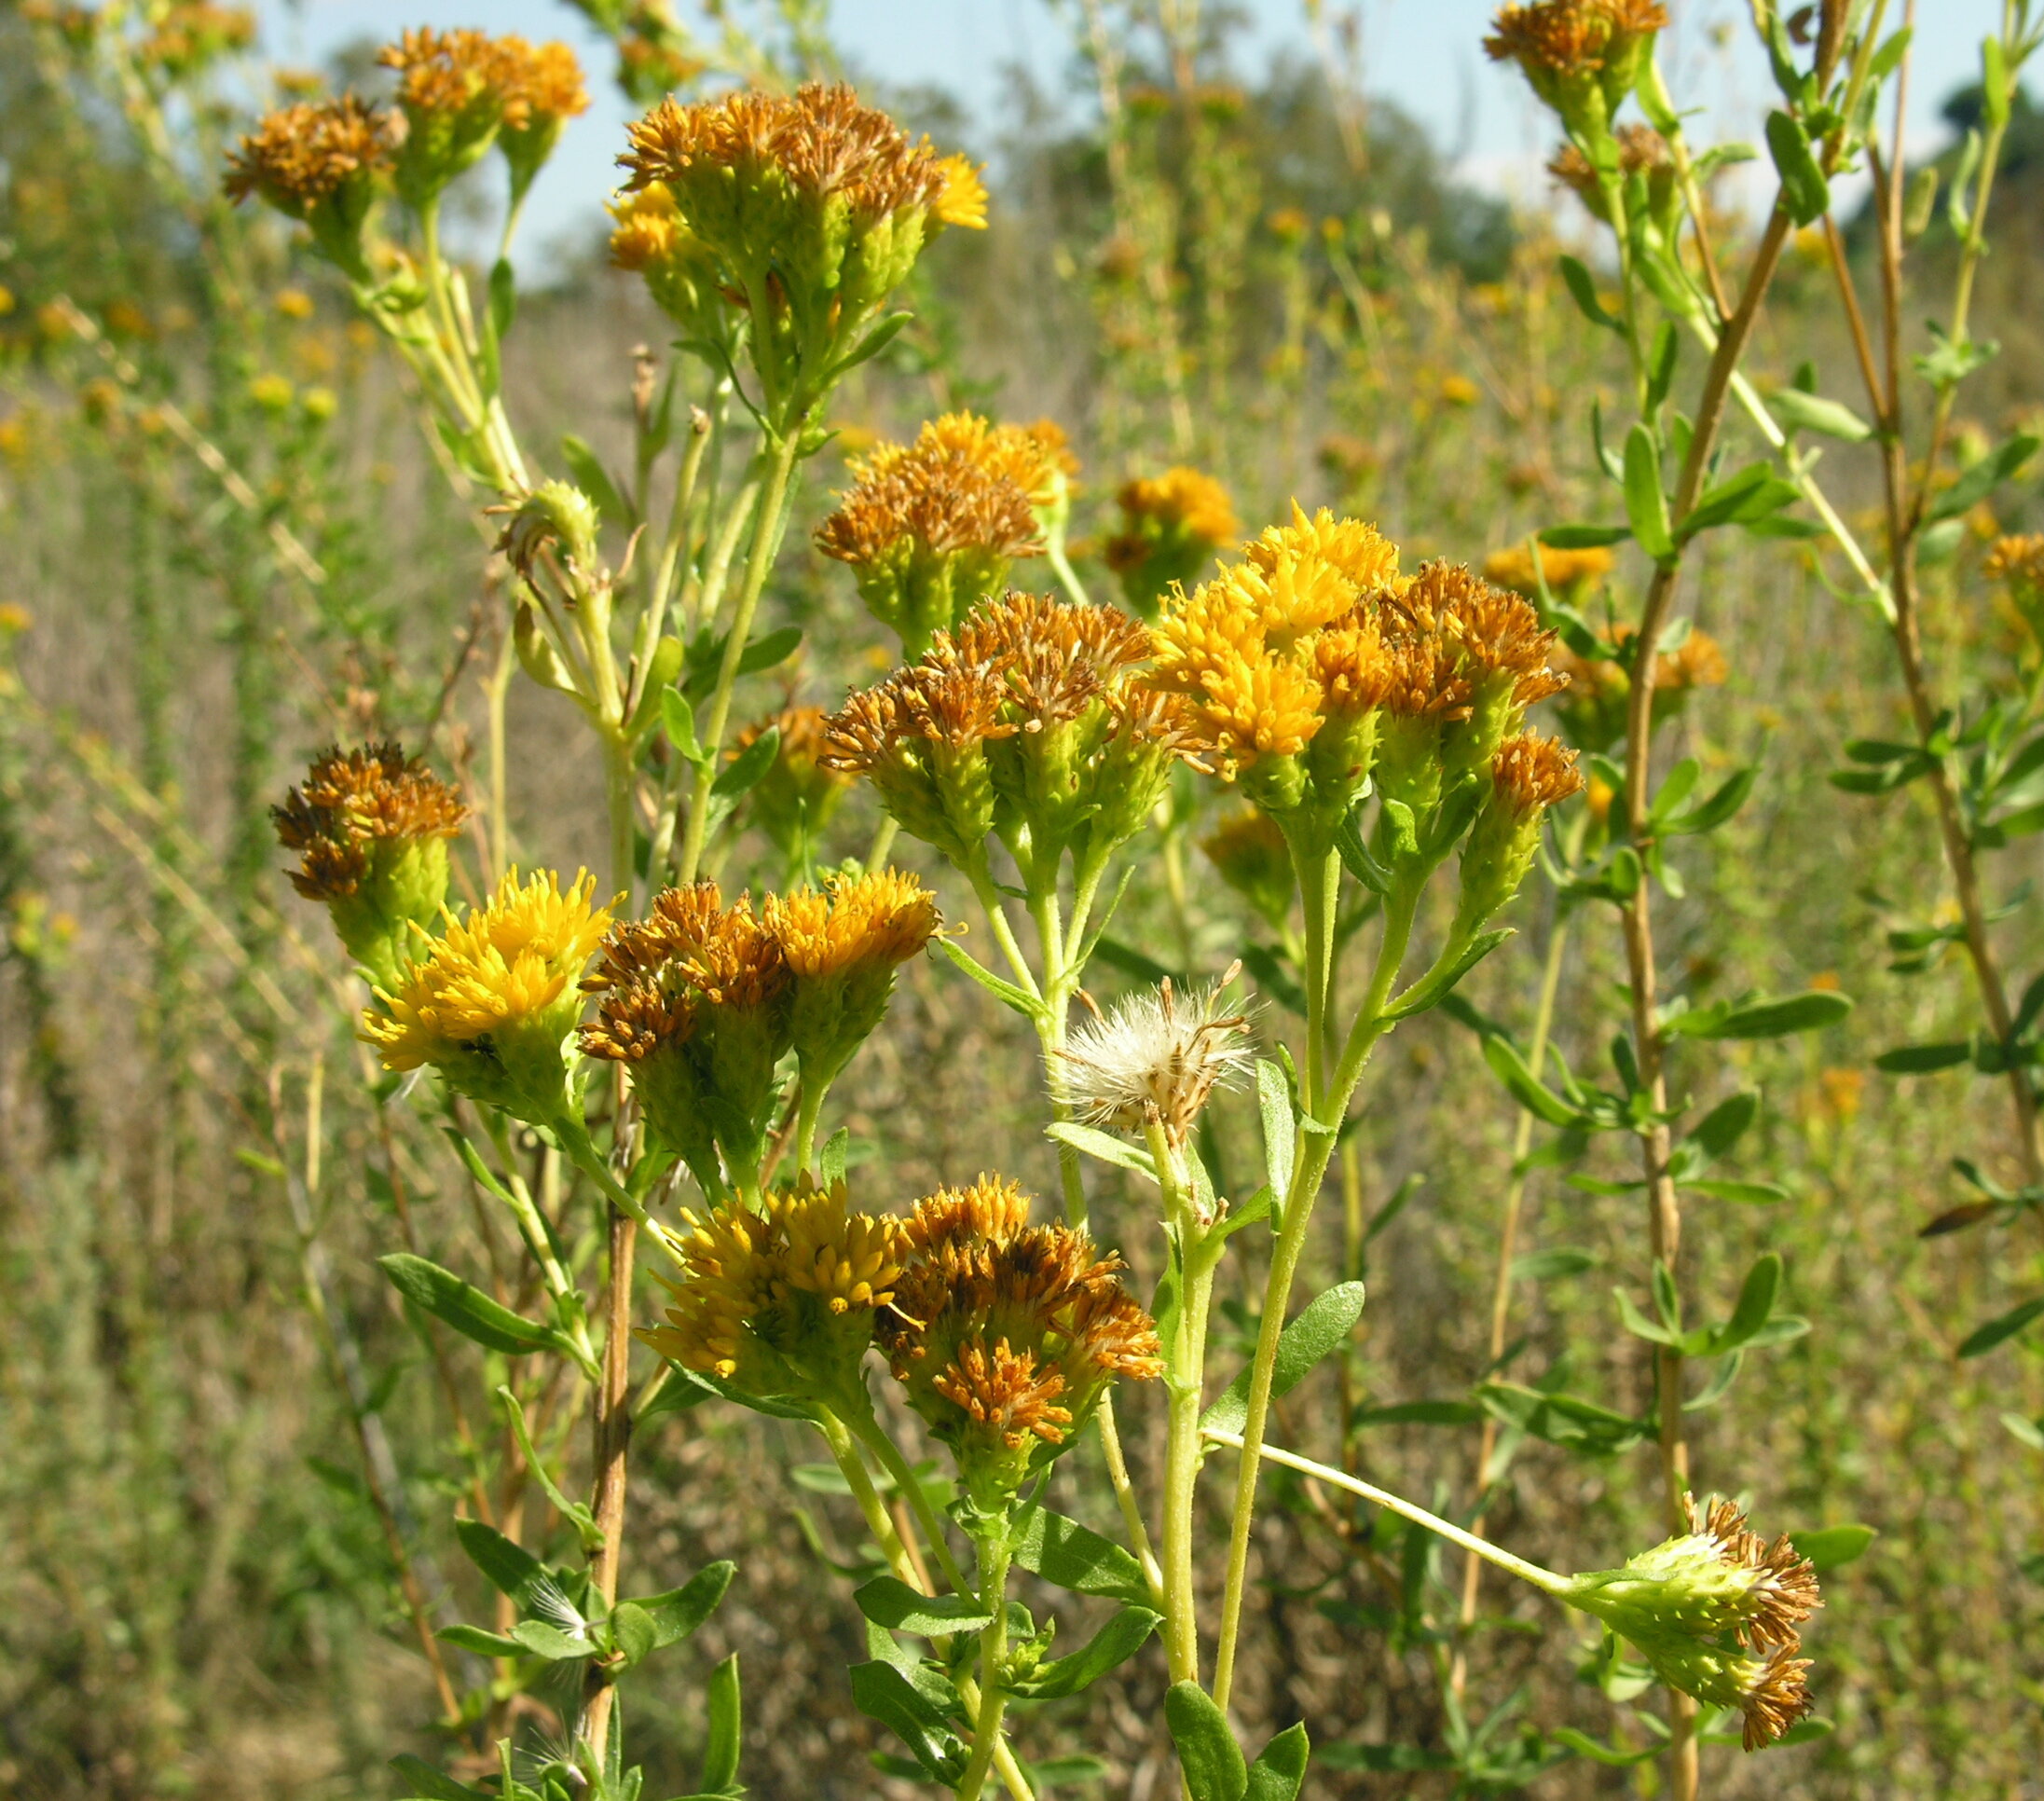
(1646, 501)
(1004, 992)
(509, 1568)
(631, 1630)
(726, 1732)
(1812, 413)
(1104, 1146)
(467, 1308)
(428, 1785)
(1805, 194)
(1921, 1059)
(1809, 1012)
(1109, 1648)
(1439, 982)
(1274, 1102)
(1583, 537)
(680, 1611)
(1583, 289)
(1323, 1324)
(1526, 1089)
(483, 1642)
(745, 772)
(882, 1693)
(551, 1643)
(1280, 1768)
(2007, 1325)
(1727, 1123)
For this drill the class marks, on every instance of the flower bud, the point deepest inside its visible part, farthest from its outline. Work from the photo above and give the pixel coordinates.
(1527, 776)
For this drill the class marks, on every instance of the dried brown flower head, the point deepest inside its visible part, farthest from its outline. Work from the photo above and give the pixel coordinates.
(1532, 772)
(945, 503)
(301, 156)
(350, 798)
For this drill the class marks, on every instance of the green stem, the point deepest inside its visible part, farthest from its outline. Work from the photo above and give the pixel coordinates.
(767, 527)
(620, 780)
(1186, 1382)
(994, 1554)
(806, 1114)
(1545, 1580)
(1060, 565)
(1315, 1149)
(879, 1522)
(583, 1152)
(890, 1459)
(1318, 874)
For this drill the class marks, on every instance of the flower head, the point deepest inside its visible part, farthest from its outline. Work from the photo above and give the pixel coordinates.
(2018, 563)
(1593, 712)
(1582, 57)
(1155, 1060)
(695, 1000)
(795, 799)
(449, 88)
(319, 163)
(1171, 525)
(842, 944)
(1248, 849)
(491, 1001)
(1642, 152)
(817, 205)
(929, 531)
(1570, 575)
(1717, 1612)
(782, 1302)
(1005, 1336)
(371, 827)
(1035, 718)
(681, 271)
(190, 34)
(541, 90)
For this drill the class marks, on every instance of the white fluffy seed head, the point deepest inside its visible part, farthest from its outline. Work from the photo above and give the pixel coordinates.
(1155, 1059)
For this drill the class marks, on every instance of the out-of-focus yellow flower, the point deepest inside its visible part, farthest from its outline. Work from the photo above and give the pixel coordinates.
(293, 303)
(273, 393)
(1171, 525)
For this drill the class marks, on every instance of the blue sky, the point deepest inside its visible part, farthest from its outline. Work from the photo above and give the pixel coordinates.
(1426, 55)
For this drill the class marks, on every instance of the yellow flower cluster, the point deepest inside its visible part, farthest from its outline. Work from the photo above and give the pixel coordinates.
(491, 1001)
(1171, 524)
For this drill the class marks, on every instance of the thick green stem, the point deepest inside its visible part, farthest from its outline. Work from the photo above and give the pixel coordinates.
(879, 1522)
(890, 1459)
(1315, 1150)
(994, 1554)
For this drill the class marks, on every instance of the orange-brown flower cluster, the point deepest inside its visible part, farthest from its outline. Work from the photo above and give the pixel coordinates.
(302, 156)
(1569, 574)
(188, 36)
(1582, 57)
(822, 140)
(702, 1001)
(1594, 712)
(1717, 1612)
(1643, 151)
(348, 802)
(1005, 1336)
(1313, 662)
(461, 90)
(1171, 524)
(1036, 720)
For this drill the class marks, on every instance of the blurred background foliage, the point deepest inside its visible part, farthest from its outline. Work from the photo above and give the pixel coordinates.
(225, 543)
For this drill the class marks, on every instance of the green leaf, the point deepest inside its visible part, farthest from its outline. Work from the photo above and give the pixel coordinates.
(1551, 1266)
(1831, 1548)
(680, 1611)
(551, 1643)
(1132, 962)
(466, 1308)
(1271, 976)
(836, 1155)
(633, 1633)
(1109, 1648)
(745, 772)
(1751, 1311)
(1582, 289)
(1583, 537)
(1746, 1194)
(1995, 1331)
(1983, 478)
(485, 1644)
(1274, 1102)
(1562, 1418)
(1004, 992)
(888, 1602)
(1804, 193)
(726, 1734)
(1324, 1323)
(1103, 1146)
(1921, 1059)
(1439, 982)
(510, 1569)
(1441, 1413)
(1776, 1018)
(1646, 503)
(882, 1693)
(1753, 494)
(1280, 1768)
(1526, 1088)
(1812, 413)
(593, 480)
(677, 719)
(1993, 83)
(1075, 1557)
(1600, 1753)
(1727, 1123)
(1208, 1755)
(428, 1785)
